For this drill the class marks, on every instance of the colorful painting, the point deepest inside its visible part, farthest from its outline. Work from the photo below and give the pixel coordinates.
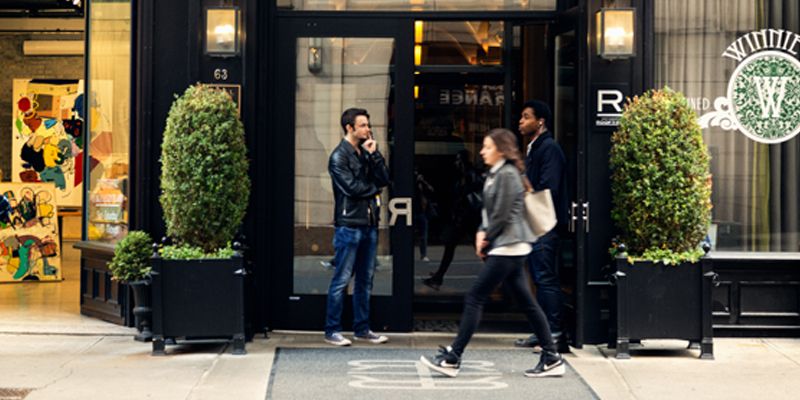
(48, 136)
(29, 241)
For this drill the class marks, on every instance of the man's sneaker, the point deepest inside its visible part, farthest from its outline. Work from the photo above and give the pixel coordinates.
(445, 362)
(372, 337)
(560, 340)
(550, 364)
(432, 283)
(337, 339)
(531, 341)
(327, 265)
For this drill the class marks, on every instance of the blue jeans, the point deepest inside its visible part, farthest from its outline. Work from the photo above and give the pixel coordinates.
(543, 269)
(355, 249)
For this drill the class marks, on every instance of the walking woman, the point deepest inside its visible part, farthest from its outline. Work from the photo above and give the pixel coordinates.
(503, 240)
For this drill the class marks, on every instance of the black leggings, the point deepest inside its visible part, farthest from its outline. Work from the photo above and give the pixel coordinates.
(508, 270)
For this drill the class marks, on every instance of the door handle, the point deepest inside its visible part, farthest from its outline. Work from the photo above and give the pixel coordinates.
(586, 216)
(573, 216)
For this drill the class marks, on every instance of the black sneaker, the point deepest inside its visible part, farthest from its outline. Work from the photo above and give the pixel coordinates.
(550, 364)
(531, 341)
(561, 342)
(432, 283)
(445, 362)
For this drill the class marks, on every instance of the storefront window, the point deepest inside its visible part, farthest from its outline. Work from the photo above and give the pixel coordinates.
(458, 42)
(756, 194)
(108, 119)
(418, 5)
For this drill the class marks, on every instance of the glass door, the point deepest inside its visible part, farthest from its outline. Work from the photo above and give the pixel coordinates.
(463, 88)
(329, 67)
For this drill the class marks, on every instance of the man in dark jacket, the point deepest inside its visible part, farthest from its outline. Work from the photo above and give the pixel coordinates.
(358, 172)
(545, 167)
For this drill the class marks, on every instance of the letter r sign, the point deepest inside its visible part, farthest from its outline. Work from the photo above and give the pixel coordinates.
(608, 105)
(611, 98)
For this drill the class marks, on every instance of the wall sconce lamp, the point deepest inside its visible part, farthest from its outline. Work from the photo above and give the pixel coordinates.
(223, 31)
(315, 55)
(615, 33)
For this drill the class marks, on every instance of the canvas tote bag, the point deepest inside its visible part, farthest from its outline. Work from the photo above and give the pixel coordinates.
(539, 209)
(540, 212)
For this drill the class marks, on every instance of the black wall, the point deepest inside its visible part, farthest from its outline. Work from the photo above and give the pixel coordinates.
(168, 58)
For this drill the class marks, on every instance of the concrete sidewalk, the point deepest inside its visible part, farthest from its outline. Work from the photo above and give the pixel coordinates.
(98, 364)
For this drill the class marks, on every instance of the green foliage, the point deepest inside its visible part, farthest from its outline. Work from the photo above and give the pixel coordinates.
(187, 252)
(131, 260)
(204, 181)
(660, 183)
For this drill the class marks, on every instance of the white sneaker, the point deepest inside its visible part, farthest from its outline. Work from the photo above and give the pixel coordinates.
(337, 339)
(372, 337)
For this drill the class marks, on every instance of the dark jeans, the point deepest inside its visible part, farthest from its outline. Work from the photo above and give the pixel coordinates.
(421, 222)
(543, 269)
(355, 256)
(508, 270)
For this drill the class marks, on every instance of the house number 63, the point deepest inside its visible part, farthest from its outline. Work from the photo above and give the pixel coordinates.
(221, 74)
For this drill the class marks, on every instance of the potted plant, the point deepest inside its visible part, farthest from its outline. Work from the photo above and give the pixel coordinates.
(198, 288)
(661, 189)
(131, 265)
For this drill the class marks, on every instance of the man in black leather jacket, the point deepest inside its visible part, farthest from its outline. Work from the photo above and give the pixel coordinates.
(358, 173)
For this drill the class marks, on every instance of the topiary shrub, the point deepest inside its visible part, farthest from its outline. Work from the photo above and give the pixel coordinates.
(204, 181)
(131, 260)
(661, 184)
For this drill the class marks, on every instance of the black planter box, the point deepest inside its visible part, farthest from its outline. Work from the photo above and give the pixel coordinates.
(198, 299)
(657, 301)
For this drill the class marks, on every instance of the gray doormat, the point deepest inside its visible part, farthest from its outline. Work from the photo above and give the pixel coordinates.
(389, 374)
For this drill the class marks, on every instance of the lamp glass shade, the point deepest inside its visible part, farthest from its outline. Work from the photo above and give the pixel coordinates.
(615, 32)
(223, 30)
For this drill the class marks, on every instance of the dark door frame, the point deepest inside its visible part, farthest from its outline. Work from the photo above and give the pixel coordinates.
(399, 316)
(570, 20)
(388, 313)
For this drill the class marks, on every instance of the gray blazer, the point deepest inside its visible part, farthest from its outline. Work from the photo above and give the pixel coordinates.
(503, 200)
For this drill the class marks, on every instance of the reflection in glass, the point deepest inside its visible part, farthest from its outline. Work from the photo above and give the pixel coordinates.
(347, 72)
(453, 114)
(418, 5)
(458, 42)
(755, 194)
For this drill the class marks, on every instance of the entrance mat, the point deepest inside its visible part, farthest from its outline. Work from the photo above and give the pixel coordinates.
(389, 374)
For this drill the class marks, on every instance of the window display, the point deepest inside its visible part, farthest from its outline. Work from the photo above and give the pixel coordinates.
(108, 118)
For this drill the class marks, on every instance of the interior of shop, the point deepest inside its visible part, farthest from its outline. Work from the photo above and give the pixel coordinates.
(40, 74)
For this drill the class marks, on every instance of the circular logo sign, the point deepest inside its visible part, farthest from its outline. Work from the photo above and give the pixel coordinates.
(764, 93)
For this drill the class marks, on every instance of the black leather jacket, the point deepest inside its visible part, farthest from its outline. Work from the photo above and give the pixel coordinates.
(356, 180)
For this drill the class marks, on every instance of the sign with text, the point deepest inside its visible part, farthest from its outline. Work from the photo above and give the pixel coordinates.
(607, 101)
(761, 101)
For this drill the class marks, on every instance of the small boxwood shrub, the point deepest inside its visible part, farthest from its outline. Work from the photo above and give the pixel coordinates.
(204, 181)
(131, 260)
(660, 181)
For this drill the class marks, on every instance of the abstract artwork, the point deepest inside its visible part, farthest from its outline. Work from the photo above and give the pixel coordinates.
(29, 241)
(48, 135)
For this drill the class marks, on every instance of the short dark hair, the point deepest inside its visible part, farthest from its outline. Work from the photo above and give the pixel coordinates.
(349, 117)
(540, 109)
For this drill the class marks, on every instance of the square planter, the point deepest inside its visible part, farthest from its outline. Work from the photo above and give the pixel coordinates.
(657, 301)
(198, 299)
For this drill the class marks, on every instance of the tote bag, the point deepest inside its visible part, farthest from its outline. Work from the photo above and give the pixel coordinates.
(540, 212)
